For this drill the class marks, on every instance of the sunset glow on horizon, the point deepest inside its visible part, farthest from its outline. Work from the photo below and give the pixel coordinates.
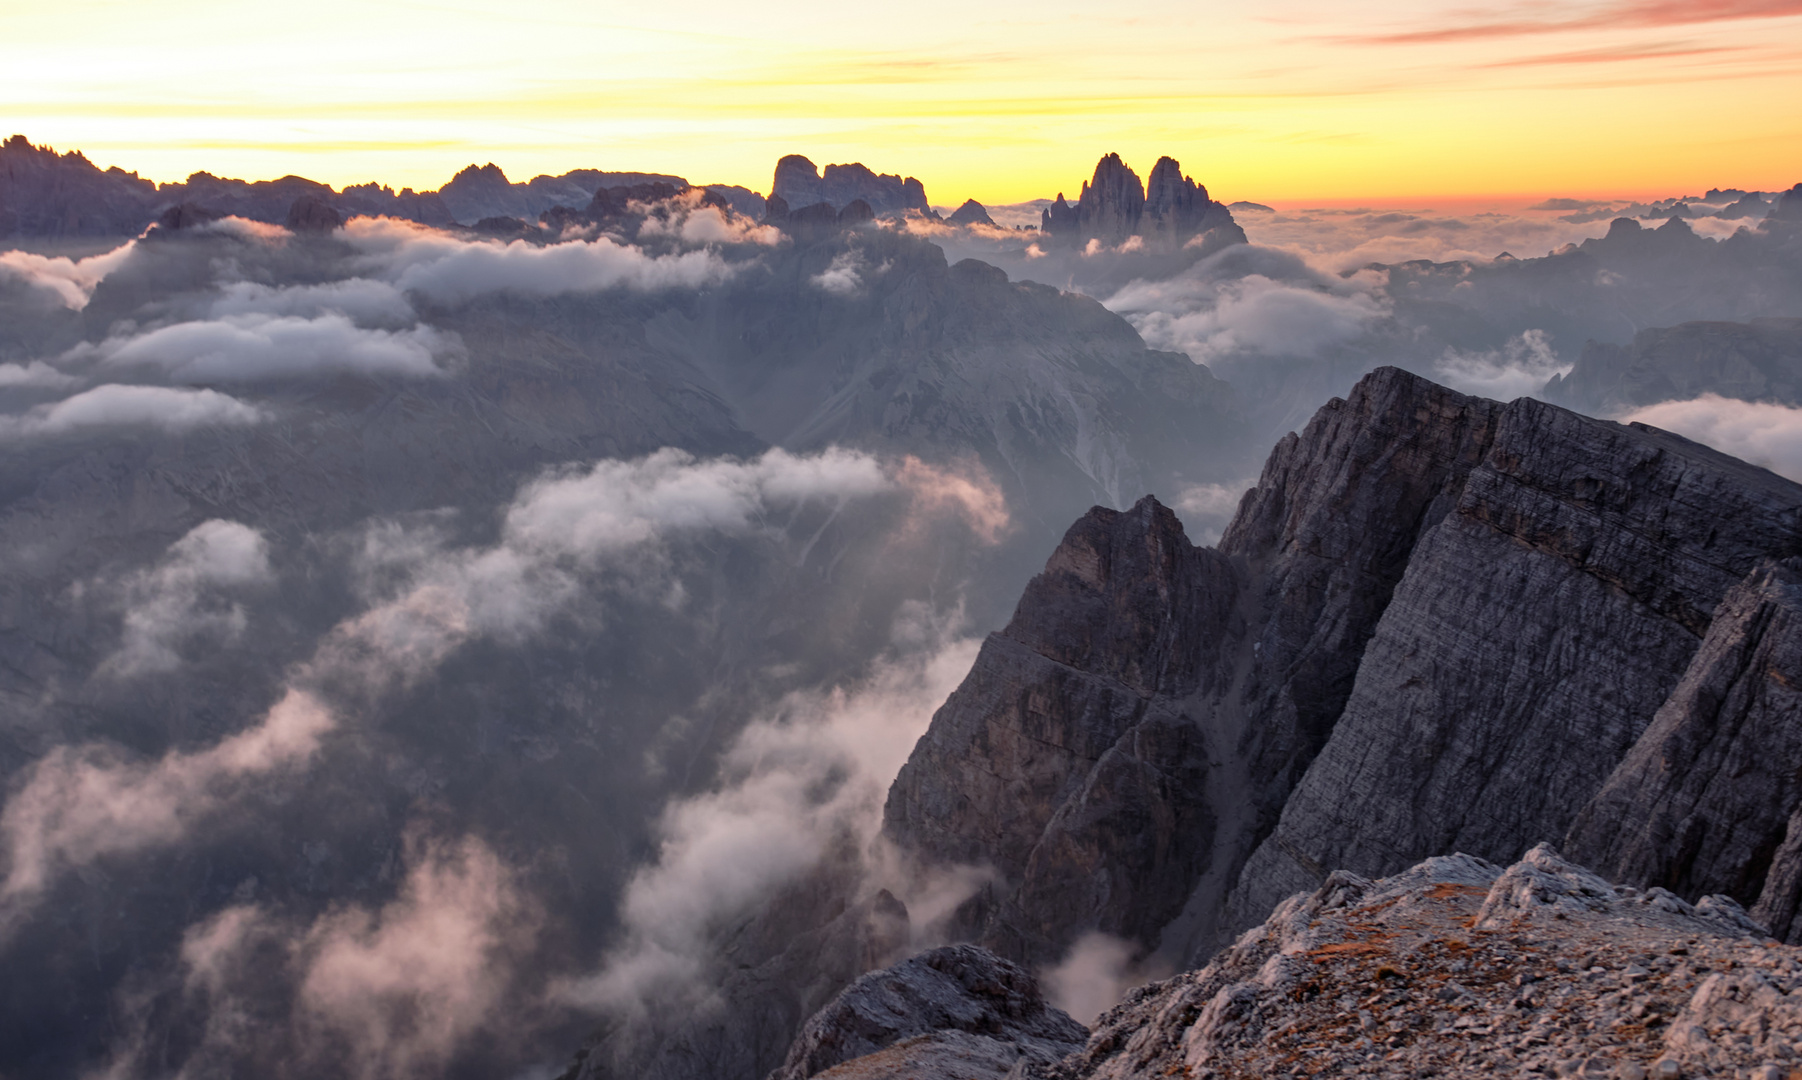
(1006, 102)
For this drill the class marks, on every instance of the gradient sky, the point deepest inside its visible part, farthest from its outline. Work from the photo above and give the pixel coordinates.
(1000, 101)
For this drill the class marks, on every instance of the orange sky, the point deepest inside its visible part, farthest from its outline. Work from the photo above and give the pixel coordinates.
(1305, 100)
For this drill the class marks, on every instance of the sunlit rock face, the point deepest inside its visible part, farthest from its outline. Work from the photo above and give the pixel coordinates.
(1167, 212)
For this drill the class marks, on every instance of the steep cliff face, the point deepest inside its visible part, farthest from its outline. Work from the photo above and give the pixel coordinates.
(1703, 801)
(1151, 704)
(1438, 623)
(1168, 212)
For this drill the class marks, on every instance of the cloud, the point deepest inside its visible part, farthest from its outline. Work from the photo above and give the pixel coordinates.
(1531, 19)
(1520, 368)
(377, 992)
(1092, 978)
(686, 219)
(79, 804)
(397, 991)
(71, 281)
(841, 278)
(1213, 319)
(114, 405)
(1207, 509)
(449, 269)
(796, 781)
(968, 491)
(1339, 242)
(361, 299)
(1762, 433)
(36, 373)
(263, 346)
(179, 599)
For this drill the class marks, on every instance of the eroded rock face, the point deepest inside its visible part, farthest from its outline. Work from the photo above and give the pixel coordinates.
(1456, 967)
(957, 1011)
(1438, 623)
(1704, 799)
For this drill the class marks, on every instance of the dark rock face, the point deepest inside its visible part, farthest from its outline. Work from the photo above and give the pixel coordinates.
(959, 1000)
(43, 193)
(313, 215)
(799, 183)
(1703, 801)
(971, 213)
(1438, 623)
(1760, 360)
(1168, 212)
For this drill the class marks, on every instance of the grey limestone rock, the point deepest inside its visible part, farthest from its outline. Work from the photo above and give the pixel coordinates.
(1704, 800)
(1438, 623)
(950, 1006)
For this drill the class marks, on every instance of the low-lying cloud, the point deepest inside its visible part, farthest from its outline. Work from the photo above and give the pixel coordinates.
(1520, 368)
(116, 405)
(364, 301)
(1214, 318)
(79, 804)
(82, 803)
(1763, 433)
(36, 374)
(239, 348)
(71, 282)
(809, 774)
(450, 270)
(377, 992)
(187, 596)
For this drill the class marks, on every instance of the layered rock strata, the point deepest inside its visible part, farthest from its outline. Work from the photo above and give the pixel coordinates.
(1438, 623)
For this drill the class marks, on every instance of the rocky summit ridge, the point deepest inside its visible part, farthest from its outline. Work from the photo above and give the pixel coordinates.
(1437, 623)
(1454, 967)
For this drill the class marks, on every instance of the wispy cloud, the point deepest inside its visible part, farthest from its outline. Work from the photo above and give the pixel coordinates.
(1534, 19)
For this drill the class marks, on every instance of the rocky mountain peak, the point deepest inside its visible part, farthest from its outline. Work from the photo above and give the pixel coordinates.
(800, 184)
(971, 213)
(1167, 213)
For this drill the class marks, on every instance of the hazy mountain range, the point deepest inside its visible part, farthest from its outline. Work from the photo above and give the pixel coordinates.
(440, 627)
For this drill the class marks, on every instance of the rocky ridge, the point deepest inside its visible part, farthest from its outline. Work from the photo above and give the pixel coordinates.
(1166, 212)
(1438, 623)
(1757, 360)
(1454, 967)
(800, 184)
(1458, 968)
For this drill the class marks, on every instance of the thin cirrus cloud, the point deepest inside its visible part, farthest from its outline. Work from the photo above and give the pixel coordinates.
(1532, 20)
(114, 405)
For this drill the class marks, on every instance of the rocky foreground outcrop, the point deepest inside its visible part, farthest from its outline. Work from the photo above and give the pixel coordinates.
(958, 1012)
(1438, 623)
(1454, 967)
